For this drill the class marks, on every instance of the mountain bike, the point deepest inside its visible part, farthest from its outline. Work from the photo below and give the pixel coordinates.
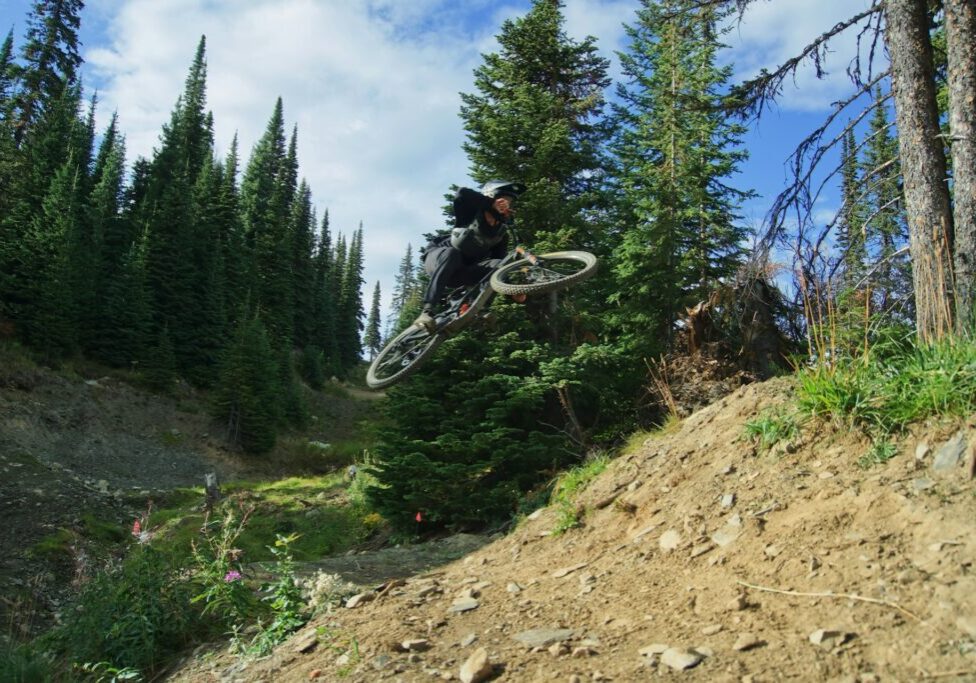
(519, 273)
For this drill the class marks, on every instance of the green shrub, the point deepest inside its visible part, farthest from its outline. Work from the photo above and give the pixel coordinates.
(21, 663)
(133, 617)
(769, 429)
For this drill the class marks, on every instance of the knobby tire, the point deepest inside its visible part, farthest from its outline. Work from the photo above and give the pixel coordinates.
(402, 357)
(558, 270)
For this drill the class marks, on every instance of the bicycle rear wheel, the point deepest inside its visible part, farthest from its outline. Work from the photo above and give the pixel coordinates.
(402, 356)
(553, 271)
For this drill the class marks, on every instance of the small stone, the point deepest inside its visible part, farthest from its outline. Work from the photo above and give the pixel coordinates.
(704, 651)
(746, 641)
(463, 605)
(360, 599)
(314, 673)
(967, 624)
(922, 450)
(476, 668)
(566, 571)
(583, 652)
(670, 540)
(469, 639)
(922, 484)
(950, 453)
(653, 649)
(558, 649)
(725, 536)
(679, 660)
(728, 500)
(827, 638)
(575, 679)
(306, 642)
(736, 604)
(342, 659)
(826, 475)
(513, 588)
(543, 637)
(415, 645)
(772, 551)
(701, 549)
(380, 662)
(711, 630)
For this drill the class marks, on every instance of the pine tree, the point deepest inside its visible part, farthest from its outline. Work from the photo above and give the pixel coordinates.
(886, 229)
(675, 151)
(325, 299)
(246, 396)
(405, 291)
(266, 195)
(6, 76)
(51, 60)
(302, 228)
(350, 312)
(372, 338)
(167, 207)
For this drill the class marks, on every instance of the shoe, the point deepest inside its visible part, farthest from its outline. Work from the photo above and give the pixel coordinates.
(426, 321)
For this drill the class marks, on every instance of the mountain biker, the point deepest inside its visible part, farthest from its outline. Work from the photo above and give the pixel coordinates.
(473, 247)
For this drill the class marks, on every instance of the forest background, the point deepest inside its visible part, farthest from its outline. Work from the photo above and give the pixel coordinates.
(192, 264)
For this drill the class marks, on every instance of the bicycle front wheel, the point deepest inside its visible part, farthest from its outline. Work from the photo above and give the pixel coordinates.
(553, 271)
(402, 356)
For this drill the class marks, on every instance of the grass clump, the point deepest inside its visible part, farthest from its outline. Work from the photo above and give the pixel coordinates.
(895, 383)
(881, 451)
(771, 428)
(568, 487)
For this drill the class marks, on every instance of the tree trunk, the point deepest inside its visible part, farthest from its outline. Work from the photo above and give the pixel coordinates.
(923, 164)
(960, 23)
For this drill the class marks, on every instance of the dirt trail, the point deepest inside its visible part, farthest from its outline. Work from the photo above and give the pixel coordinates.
(699, 556)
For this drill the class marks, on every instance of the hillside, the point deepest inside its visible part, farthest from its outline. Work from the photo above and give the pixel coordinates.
(697, 554)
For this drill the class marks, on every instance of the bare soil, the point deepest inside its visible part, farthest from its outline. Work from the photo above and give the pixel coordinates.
(699, 557)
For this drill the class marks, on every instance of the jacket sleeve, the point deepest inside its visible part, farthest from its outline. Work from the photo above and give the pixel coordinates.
(468, 206)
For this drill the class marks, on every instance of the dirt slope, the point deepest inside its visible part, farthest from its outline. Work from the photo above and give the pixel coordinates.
(673, 535)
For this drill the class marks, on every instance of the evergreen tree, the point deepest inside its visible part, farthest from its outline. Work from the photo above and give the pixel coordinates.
(406, 292)
(372, 339)
(351, 314)
(246, 396)
(6, 76)
(51, 60)
(160, 369)
(886, 229)
(167, 207)
(675, 151)
(303, 274)
(324, 305)
(266, 194)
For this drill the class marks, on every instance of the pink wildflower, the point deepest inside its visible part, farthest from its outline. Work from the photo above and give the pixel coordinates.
(232, 575)
(136, 528)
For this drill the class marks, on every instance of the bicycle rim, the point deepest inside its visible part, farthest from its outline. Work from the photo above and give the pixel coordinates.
(401, 357)
(553, 272)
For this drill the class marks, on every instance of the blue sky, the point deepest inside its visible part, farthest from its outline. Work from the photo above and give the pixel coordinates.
(373, 87)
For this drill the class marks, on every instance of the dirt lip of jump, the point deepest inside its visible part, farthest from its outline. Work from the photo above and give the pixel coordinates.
(698, 557)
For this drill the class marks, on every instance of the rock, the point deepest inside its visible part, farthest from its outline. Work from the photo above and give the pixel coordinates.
(679, 660)
(700, 549)
(513, 588)
(827, 638)
(469, 639)
(584, 651)
(476, 668)
(670, 540)
(922, 484)
(360, 599)
(306, 642)
(566, 571)
(652, 649)
(736, 604)
(380, 662)
(463, 605)
(746, 641)
(772, 551)
(726, 535)
(558, 649)
(704, 650)
(950, 454)
(728, 500)
(314, 673)
(543, 637)
(922, 451)
(415, 645)
(711, 630)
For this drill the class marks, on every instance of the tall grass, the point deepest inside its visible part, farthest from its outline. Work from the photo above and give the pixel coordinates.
(895, 383)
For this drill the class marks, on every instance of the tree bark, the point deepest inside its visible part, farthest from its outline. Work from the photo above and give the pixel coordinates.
(923, 164)
(960, 26)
